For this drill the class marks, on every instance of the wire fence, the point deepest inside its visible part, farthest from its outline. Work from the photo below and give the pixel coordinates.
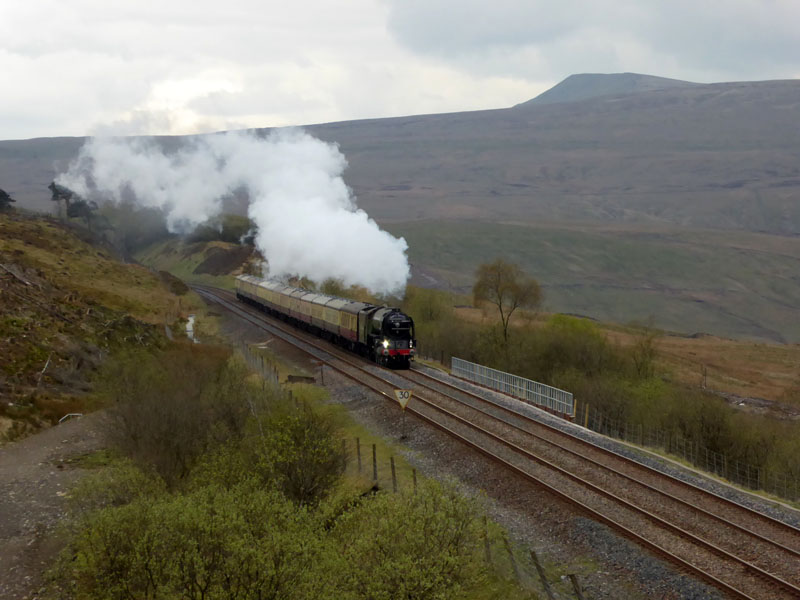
(673, 442)
(519, 564)
(262, 365)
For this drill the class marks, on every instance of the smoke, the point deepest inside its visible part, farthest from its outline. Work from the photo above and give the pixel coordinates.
(307, 219)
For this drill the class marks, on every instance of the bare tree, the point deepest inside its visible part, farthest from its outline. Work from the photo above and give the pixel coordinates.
(506, 286)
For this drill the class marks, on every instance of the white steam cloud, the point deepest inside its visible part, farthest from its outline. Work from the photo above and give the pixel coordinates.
(307, 219)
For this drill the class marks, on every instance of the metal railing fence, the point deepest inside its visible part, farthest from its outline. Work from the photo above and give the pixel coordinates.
(533, 392)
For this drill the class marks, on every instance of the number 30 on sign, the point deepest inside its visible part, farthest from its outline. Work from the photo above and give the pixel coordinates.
(403, 396)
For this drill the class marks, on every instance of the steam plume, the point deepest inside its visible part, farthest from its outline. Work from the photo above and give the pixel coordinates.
(307, 219)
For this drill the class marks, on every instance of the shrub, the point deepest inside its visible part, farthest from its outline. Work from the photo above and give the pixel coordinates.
(302, 453)
(568, 342)
(291, 447)
(118, 484)
(212, 544)
(422, 545)
(170, 408)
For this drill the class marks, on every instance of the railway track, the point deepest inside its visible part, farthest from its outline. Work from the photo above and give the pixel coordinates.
(744, 553)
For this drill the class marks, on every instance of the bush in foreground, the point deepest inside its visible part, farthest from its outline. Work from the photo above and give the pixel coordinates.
(244, 542)
(251, 542)
(170, 408)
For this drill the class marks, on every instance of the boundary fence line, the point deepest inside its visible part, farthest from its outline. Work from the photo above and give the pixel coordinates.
(518, 563)
(560, 402)
(538, 394)
(674, 443)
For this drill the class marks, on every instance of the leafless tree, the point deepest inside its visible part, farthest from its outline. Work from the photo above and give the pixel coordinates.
(507, 287)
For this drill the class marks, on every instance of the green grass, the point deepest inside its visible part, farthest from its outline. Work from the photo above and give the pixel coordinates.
(98, 459)
(68, 262)
(181, 260)
(737, 284)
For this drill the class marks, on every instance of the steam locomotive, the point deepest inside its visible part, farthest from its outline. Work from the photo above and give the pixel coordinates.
(384, 334)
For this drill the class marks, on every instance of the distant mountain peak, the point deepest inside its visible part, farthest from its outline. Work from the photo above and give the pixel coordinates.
(591, 85)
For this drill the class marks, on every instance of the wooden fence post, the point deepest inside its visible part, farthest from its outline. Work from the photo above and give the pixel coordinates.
(510, 551)
(394, 475)
(576, 585)
(374, 463)
(486, 545)
(542, 576)
(358, 453)
(414, 477)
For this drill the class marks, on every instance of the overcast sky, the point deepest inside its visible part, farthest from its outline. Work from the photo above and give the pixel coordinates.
(86, 67)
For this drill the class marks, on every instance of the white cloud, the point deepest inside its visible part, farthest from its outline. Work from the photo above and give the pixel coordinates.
(89, 66)
(180, 66)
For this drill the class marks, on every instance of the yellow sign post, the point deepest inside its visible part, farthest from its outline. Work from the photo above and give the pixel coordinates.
(403, 396)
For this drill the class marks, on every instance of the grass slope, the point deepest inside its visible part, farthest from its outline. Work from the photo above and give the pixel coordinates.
(66, 303)
(211, 263)
(69, 261)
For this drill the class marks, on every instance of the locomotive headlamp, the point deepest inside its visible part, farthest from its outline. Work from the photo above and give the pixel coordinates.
(385, 343)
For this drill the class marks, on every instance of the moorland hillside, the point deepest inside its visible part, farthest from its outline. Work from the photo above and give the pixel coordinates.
(639, 196)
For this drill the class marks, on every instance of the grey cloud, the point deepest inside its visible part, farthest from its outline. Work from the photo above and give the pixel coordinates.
(719, 38)
(450, 28)
(739, 38)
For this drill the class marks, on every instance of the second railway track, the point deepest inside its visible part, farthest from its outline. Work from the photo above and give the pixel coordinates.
(744, 553)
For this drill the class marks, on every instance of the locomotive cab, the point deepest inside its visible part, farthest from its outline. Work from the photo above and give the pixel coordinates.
(392, 337)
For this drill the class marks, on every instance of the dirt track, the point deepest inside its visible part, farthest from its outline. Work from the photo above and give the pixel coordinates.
(35, 476)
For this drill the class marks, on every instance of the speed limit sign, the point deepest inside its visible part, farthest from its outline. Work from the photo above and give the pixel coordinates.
(403, 396)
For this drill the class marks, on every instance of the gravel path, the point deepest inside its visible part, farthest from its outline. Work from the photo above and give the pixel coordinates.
(35, 476)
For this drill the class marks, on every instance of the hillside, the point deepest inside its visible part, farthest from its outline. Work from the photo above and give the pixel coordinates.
(688, 281)
(596, 154)
(722, 156)
(211, 263)
(66, 303)
(718, 155)
(593, 85)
